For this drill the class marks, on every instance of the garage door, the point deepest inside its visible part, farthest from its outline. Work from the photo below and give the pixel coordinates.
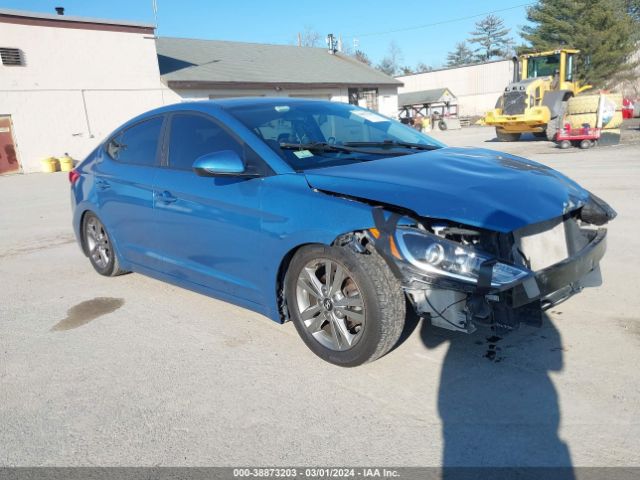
(8, 156)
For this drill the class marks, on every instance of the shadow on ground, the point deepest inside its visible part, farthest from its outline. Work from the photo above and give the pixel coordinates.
(527, 137)
(496, 400)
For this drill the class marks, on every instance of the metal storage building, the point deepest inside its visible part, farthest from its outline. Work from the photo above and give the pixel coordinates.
(477, 86)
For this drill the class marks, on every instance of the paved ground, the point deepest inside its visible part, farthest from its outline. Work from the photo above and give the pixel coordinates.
(149, 374)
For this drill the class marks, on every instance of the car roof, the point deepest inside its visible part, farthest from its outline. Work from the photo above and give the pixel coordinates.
(234, 102)
(267, 101)
(224, 103)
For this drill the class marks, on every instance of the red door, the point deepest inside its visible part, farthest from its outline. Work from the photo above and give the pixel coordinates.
(8, 156)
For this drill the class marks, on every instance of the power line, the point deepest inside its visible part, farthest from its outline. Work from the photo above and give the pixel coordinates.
(443, 22)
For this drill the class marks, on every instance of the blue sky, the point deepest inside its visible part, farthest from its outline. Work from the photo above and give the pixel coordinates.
(278, 21)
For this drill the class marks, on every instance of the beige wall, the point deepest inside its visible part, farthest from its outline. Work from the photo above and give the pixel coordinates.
(476, 86)
(76, 87)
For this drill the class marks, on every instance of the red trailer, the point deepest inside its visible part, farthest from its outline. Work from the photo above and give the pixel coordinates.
(584, 137)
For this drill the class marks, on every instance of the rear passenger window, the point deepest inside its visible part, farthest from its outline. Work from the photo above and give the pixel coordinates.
(137, 145)
(193, 136)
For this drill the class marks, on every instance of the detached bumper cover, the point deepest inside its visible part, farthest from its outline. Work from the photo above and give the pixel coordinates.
(562, 274)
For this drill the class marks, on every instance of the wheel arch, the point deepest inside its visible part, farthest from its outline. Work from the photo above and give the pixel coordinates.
(81, 215)
(283, 267)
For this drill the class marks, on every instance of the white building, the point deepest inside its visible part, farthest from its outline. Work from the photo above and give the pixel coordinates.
(477, 87)
(210, 69)
(66, 82)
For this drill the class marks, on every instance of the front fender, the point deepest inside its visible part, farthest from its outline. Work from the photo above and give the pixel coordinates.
(294, 214)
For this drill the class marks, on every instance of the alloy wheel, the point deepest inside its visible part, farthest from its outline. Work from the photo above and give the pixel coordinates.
(330, 304)
(98, 244)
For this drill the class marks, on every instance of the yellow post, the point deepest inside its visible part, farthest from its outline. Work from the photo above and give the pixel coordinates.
(66, 163)
(49, 165)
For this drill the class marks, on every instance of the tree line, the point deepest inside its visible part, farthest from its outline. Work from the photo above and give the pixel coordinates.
(607, 32)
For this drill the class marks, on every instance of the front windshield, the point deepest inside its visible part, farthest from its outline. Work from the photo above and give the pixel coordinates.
(543, 66)
(316, 134)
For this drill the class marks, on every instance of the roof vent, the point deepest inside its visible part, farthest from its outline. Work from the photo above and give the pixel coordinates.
(332, 44)
(60, 10)
(11, 56)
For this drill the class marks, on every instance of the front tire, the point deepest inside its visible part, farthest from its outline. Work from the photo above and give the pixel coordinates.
(99, 247)
(503, 136)
(348, 307)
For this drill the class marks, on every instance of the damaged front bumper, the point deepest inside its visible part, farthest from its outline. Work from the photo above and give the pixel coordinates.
(461, 307)
(482, 277)
(547, 282)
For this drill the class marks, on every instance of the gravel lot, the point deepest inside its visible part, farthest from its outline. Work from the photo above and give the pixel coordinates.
(149, 374)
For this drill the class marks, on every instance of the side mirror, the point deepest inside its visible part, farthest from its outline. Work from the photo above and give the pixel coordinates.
(220, 164)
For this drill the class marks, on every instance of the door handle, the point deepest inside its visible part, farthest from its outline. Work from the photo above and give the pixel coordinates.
(103, 184)
(166, 197)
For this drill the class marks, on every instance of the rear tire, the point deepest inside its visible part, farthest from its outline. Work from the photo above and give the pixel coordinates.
(353, 316)
(503, 136)
(98, 246)
(564, 144)
(555, 123)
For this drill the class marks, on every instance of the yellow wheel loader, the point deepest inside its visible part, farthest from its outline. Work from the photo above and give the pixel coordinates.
(537, 98)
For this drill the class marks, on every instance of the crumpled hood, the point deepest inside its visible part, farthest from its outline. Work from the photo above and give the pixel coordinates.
(477, 187)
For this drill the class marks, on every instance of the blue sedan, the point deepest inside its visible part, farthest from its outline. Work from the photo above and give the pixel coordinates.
(336, 218)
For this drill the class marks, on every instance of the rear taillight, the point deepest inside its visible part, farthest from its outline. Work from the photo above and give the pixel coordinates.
(73, 176)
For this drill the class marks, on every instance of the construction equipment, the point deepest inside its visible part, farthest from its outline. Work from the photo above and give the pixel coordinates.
(537, 98)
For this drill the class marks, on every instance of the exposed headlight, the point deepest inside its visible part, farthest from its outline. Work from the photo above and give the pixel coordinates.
(441, 257)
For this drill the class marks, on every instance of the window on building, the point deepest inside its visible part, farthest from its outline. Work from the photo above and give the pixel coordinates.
(11, 56)
(364, 97)
(193, 136)
(137, 145)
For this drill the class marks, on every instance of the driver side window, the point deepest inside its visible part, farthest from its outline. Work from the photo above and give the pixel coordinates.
(192, 136)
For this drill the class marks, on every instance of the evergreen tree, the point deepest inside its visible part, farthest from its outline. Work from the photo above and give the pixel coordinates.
(608, 37)
(461, 55)
(601, 29)
(554, 24)
(492, 38)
